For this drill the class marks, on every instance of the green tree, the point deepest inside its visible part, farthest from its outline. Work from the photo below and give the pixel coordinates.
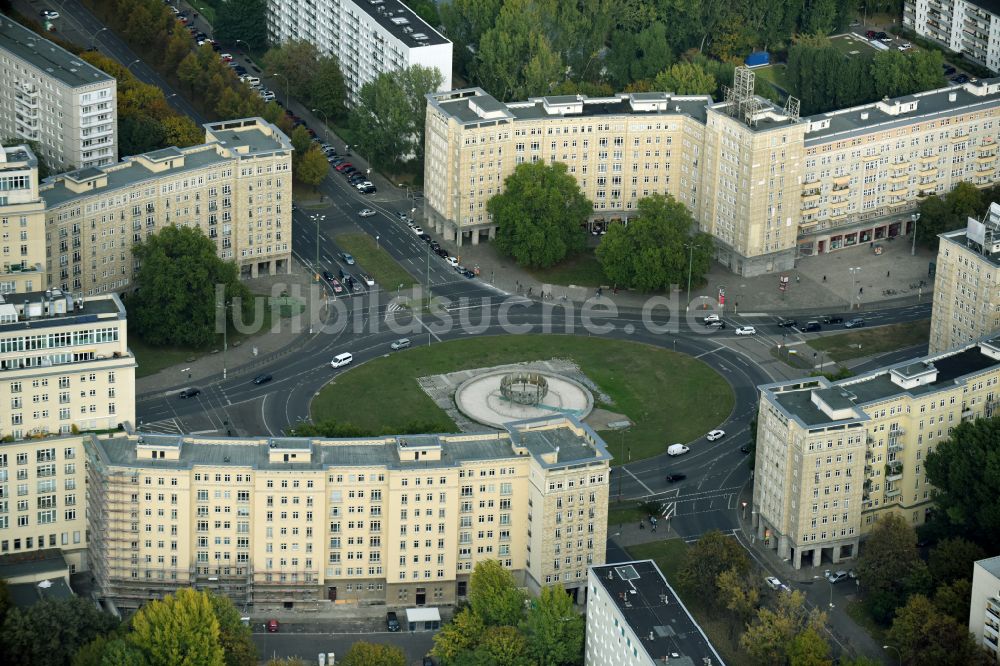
(739, 593)
(965, 470)
(180, 630)
(327, 91)
(515, 58)
(809, 648)
(293, 63)
(177, 278)
(181, 131)
(926, 637)
(651, 253)
(954, 598)
(953, 559)
(373, 654)
(502, 646)
(460, 635)
(312, 167)
(708, 557)
(554, 630)
(5, 601)
(50, 632)
(539, 213)
(774, 635)
(464, 22)
(889, 566)
(493, 594)
(109, 650)
(685, 78)
(235, 637)
(245, 20)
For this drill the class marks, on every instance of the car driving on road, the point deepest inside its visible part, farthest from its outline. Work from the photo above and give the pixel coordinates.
(674, 478)
(366, 212)
(189, 393)
(677, 449)
(348, 258)
(715, 434)
(746, 330)
(854, 323)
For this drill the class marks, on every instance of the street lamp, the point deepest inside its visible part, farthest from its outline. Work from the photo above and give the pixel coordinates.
(326, 122)
(285, 77)
(899, 655)
(913, 247)
(854, 284)
(225, 337)
(376, 241)
(128, 67)
(831, 588)
(240, 41)
(93, 38)
(316, 220)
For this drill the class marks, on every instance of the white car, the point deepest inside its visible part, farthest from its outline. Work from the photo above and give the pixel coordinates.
(367, 279)
(772, 582)
(417, 230)
(452, 261)
(710, 318)
(904, 47)
(746, 330)
(366, 212)
(677, 450)
(49, 14)
(715, 434)
(267, 96)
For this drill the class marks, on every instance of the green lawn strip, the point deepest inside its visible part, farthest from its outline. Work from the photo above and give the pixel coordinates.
(583, 270)
(669, 397)
(669, 556)
(776, 74)
(151, 360)
(205, 9)
(375, 261)
(623, 513)
(876, 340)
(797, 357)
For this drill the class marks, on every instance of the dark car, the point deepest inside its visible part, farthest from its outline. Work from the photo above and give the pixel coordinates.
(948, 69)
(189, 393)
(870, 34)
(674, 478)
(337, 162)
(812, 326)
(261, 379)
(881, 35)
(435, 246)
(961, 78)
(787, 323)
(745, 449)
(469, 274)
(425, 238)
(327, 276)
(391, 621)
(832, 319)
(371, 189)
(441, 252)
(854, 323)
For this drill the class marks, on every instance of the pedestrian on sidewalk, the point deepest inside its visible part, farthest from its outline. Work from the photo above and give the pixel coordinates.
(824, 278)
(887, 273)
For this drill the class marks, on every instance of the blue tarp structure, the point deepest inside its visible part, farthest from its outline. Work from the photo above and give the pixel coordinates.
(757, 59)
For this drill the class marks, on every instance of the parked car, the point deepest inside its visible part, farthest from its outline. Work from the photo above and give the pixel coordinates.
(836, 576)
(905, 46)
(366, 212)
(854, 323)
(710, 318)
(745, 449)
(832, 319)
(870, 34)
(367, 189)
(262, 379)
(267, 96)
(715, 434)
(403, 217)
(772, 582)
(718, 325)
(391, 621)
(337, 287)
(272, 626)
(343, 165)
(425, 238)
(189, 393)
(812, 326)
(468, 274)
(746, 330)
(961, 78)
(787, 323)
(327, 276)
(418, 230)
(367, 279)
(674, 478)
(348, 258)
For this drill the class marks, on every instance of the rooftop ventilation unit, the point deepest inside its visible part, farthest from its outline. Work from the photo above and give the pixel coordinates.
(400, 20)
(419, 36)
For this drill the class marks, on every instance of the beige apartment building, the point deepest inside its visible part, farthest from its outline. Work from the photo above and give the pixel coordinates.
(49, 96)
(236, 187)
(303, 523)
(22, 223)
(967, 283)
(984, 609)
(833, 457)
(65, 365)
(769, 185)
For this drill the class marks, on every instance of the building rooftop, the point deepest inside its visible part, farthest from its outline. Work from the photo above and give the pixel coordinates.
(804, 399)
(401, 22)
(981, 237)
(225, 141)
(889, 113)
(25, 595)
(991, 565)
(53, 60)
(33, 563)
(655, 614)
(54, 307)
(992, 6)
(552, 442)
(17, 157)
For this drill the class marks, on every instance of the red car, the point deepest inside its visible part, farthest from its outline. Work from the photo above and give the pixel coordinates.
(343, 166)
(337, 288)
(272, 626)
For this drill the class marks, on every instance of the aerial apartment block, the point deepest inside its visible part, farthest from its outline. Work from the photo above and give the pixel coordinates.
(236, 187)
(65, 106)
(967, 283)
(984, 610)
(368, 37)
(22, 223)
(304, 523)
(833, 457)
(65, 365)
(769, 185)
(969, 27)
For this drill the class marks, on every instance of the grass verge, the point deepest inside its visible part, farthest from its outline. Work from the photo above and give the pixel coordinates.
(625, 512)
(856, 611)
(376, 261)
(204, 8)
(583, 270)
(669, 556)
(669, 397)
(877, 340)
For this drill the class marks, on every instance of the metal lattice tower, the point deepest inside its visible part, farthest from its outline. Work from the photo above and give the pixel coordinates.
(792, 108)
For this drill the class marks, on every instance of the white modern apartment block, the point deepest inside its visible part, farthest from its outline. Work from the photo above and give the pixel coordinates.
(22, 223)
(634, 618)
(969, 27)
(967, 283)
(984, 611)
(52, 98)
(367, 37)
(65, 365)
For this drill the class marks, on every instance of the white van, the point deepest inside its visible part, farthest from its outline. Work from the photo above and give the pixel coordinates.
(676, 449)
(340, 360)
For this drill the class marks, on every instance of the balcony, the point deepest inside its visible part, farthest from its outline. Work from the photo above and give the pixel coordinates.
(894, 471)
(893, 492)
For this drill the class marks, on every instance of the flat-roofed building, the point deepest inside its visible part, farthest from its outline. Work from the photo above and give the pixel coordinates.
(967, 283)
(368, 37)
(308, 522)
(984, 609)
(833, 457)
(64, 105)
(65, 365)
(634, 618)
(768, 185)
(22, 223)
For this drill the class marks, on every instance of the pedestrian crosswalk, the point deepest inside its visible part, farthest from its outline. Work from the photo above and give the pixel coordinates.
(170, 426)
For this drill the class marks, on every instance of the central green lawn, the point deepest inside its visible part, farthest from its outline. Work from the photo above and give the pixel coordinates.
(860, 342)
(375, 261)
(669, 397)
(583, 270)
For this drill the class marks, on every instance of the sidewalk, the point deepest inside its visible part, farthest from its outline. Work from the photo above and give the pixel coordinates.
(259, 349)
(817, 283)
